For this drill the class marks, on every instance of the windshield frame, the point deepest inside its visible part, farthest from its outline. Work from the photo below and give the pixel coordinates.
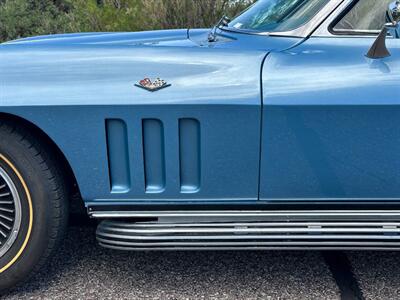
(303, 31)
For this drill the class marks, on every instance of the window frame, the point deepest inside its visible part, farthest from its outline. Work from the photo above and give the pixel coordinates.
(340, 16)
(324, 29)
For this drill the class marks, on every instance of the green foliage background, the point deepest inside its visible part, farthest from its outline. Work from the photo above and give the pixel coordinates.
(22, 18)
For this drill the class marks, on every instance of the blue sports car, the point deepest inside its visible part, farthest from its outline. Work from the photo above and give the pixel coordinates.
(279, 129)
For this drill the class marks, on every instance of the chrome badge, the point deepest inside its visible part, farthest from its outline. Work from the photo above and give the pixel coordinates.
(152, 86)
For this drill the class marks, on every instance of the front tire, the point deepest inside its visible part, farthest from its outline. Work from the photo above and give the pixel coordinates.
(33, 204)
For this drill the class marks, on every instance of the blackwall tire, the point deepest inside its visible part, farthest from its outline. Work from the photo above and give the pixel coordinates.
(33, 205)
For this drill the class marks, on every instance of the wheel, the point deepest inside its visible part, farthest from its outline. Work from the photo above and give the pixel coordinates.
(33, 206)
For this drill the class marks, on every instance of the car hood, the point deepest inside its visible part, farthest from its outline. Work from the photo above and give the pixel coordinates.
(102, 68)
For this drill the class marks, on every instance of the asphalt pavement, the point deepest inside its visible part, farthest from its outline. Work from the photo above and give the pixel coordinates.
(83, 270)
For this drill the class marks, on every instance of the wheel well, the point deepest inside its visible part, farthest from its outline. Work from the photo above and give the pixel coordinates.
(72, 184)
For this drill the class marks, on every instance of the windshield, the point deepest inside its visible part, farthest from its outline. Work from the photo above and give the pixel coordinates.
(277, 15)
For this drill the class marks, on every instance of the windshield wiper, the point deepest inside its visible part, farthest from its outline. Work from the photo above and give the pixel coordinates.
(212, 36)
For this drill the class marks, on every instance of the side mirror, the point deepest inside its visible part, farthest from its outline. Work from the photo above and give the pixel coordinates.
(393, 12)
(379, 49)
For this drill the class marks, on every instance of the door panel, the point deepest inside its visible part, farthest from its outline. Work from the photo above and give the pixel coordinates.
(331, 123)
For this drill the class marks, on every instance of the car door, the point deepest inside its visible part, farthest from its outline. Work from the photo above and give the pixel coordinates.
(331, 116)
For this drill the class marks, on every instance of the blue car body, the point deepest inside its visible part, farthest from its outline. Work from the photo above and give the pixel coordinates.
(247, 119)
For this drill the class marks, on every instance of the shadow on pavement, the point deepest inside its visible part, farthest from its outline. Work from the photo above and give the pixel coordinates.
(81, 269)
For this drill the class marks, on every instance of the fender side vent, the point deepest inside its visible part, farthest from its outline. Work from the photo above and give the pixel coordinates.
(118, 156)
(189, 155)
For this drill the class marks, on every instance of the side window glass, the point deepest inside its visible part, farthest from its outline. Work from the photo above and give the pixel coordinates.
(364, 16)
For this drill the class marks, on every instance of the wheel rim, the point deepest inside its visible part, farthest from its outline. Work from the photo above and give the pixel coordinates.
(10, 212)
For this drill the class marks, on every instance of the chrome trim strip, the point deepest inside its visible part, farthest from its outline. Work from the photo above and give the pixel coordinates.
(255, 213)
(270, 224)
(235, 230)
(274, 243)
(204, 245)
(254, 248)
(176, 200)
(275, 238)
(120, 201)
(356, 32)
